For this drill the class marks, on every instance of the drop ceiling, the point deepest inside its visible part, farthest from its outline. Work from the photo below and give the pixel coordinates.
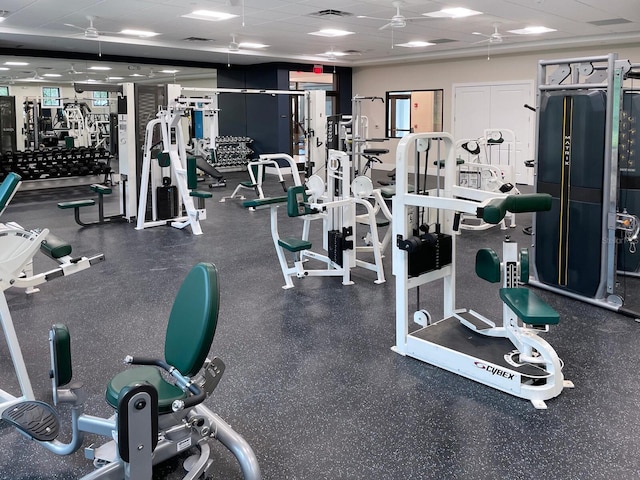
(43, 25)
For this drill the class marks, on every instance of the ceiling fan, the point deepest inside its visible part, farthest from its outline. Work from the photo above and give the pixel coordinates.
(90, 31)
(495, 37)
(398, 20)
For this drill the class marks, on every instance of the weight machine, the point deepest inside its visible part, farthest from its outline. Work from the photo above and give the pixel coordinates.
(487, 167)
(173, 155)
(509, 355)
(584, 162)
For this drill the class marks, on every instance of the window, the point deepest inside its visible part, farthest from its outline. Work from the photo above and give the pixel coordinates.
(4, 91)
(413, 111)
(50, 96)
(100, 99)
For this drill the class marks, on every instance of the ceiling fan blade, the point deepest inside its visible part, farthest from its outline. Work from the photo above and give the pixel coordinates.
(372, 18)
(384, 27)
(74, 26)
(486, 40)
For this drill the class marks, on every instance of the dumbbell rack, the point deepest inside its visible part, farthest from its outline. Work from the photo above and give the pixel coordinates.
(232, 151)
(55, 163)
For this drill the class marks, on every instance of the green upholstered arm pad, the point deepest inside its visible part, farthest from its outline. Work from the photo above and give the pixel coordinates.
(55, 247)
(495, 210)
(7, 187)
(263, 202)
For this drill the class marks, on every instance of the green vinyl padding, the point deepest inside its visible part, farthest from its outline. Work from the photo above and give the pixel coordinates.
(390, 190)
(8, 188)
(494, 211)
(167, 392)
(524, 265)
(54, 247)
(164, 159)
(528, 307)
(77, 204)
(200, 194)
(61, 343)
(263, 202)
(296, 199)
(193, 320)
(488, 265)
(101, 189)
(294, 244)
(192, 175)
(192, 325)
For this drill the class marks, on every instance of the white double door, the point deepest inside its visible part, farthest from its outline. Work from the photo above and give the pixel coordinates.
(479, 107)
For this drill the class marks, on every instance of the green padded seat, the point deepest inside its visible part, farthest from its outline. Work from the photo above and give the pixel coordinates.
(390, 190)
(199, 194)
(294, 244)
(528, 307)
(167, 392)
(248, 184)
(76, 204)
(190, 331)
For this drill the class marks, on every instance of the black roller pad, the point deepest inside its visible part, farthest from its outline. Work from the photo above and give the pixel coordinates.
(36, 419)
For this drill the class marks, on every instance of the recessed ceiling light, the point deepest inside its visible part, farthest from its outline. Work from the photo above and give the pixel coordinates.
(169, 71)
(532, 30)
(414, 44)
(115, 78)
(334, 54)
(51, 75)
(99, 68)
(4, 68)
(17, 64)
(252, 45)
(331, 32)
(453, 13)
(209, 15)
(136, 75)
(138, 33)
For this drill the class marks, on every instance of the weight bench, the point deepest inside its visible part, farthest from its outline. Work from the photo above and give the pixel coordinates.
(101, 190)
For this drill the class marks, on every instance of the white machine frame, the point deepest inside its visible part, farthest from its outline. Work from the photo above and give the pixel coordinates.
(429, 348)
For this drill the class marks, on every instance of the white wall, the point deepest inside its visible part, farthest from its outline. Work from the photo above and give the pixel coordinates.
(376, 81)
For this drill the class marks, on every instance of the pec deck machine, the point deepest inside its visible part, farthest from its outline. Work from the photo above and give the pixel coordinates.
(508, 354)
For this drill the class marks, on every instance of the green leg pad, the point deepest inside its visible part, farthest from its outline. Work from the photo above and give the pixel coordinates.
(294, 244)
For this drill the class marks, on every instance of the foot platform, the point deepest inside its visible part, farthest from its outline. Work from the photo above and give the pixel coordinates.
(37, 420)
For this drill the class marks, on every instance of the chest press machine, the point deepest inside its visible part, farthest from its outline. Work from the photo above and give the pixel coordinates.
(509, 355)
(182, 171)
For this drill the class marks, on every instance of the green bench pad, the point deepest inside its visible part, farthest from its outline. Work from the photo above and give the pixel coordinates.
(199, 194)
(7, 187)
(54, 247)
(262, 202)
(77, 204)
(101, 189)
(528, 307)
(294, 244)
(167, 392)
(390, 190)
(248, 184)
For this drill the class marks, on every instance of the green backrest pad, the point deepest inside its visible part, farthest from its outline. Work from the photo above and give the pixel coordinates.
(488, 265)
(8, 188)
(296, 196)
(193, 320)
(495, 210)
(61, 345)
(192, 175)
(164, 159)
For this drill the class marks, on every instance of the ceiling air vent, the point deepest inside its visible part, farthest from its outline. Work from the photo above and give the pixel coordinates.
(330, 12)
(197, 39)
(353, 52)
(438, 41)
(610, 21)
